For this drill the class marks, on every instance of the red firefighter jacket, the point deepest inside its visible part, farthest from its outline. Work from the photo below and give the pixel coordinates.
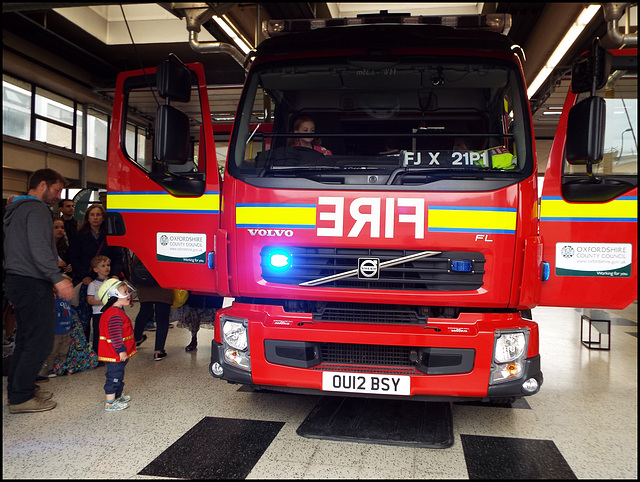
(116, 331)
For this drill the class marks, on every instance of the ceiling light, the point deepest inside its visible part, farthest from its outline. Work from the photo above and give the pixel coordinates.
(225, 25)
(568, 40)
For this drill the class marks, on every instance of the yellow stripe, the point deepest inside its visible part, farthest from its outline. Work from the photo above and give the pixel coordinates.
(275, 216)
(114, 360)
(109, 339)
(472, 220)
(559, 208)
(162, 202)
(104, 358)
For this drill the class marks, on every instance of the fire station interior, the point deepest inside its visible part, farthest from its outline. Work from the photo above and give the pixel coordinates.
(60, 63)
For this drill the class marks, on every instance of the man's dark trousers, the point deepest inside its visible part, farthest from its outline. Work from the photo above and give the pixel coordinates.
(34, 305)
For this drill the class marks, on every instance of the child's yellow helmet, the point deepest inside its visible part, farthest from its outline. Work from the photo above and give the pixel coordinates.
(110, 289)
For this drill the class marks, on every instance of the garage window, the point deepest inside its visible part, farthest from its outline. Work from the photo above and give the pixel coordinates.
(54, 119)
(16, 108)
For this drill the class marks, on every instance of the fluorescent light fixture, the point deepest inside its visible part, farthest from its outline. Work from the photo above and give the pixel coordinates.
(225, 25)
(568, 40)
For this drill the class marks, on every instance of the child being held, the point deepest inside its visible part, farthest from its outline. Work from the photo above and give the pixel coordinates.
(117, 342)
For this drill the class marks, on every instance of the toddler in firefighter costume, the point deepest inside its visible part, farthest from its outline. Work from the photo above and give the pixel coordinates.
(117, 343)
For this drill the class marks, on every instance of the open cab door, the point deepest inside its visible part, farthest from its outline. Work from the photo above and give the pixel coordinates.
(163, 199)
(589, 205)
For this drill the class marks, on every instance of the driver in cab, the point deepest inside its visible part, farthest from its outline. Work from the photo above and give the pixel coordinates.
(306, 125)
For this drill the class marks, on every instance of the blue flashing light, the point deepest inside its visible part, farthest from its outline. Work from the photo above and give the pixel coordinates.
(546, 270)
(211, 260)
(278, 260)
(462, 266)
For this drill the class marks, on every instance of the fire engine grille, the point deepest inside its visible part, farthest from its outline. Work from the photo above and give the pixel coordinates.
(369, 313)
(397, 356)
(328, 367)
(399, 360)
(447, 271)
(350, 357)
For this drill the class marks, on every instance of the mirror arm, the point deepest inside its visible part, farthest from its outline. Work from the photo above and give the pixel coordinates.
(596, 52)
(592, 177)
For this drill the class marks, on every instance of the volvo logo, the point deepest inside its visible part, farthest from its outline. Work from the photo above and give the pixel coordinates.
(368, 268)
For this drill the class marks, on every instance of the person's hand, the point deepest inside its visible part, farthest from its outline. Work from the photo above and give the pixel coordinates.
(64, 289)
(61, 264)
(87, 280)
(68, 268)
(123, 356)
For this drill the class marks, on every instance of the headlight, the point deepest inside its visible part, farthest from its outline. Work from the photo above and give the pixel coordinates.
(509, 353)
(235, 334)
(509, 347)
(235, 339)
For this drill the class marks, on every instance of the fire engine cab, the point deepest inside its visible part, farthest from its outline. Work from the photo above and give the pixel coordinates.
(379, 226)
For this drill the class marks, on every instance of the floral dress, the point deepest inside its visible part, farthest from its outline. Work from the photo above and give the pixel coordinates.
(81, 355)
(194, 318)
(197, 312)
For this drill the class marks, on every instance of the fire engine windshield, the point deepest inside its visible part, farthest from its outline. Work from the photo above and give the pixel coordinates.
(360, 122)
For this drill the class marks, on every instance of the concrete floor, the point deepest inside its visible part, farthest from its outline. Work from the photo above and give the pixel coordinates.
(583, 422)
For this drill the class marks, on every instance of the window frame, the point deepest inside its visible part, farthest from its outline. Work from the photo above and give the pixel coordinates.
(77, 126)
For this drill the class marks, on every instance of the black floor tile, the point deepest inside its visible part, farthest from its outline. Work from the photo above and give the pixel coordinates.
(215, 448)
(380, 421)
(518, 403)
(249, 389)
(513, 458)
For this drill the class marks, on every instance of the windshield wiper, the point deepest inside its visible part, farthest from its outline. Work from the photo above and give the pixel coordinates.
(304, 168)
(295, 169)
(431, 174)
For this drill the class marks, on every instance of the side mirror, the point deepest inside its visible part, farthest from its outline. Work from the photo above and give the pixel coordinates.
(173, 80)
(172, 136)
(585, 132)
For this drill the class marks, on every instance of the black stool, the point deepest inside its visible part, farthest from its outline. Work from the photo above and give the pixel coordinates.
(595, 329)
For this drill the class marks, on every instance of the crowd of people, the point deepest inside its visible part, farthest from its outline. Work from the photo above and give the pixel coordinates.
(80, 284)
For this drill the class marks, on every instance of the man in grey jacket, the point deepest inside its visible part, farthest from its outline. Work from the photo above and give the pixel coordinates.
(31, 276)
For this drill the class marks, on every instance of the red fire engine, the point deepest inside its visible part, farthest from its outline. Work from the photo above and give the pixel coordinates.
(378, 226)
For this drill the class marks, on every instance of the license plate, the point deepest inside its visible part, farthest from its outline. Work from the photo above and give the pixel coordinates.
(366, 383)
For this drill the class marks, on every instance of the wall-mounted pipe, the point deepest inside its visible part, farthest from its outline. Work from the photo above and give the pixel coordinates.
(195, 18)
(612, 14)
(216, 47)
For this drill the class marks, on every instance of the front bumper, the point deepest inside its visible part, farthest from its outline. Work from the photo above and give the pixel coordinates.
(292, 356)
